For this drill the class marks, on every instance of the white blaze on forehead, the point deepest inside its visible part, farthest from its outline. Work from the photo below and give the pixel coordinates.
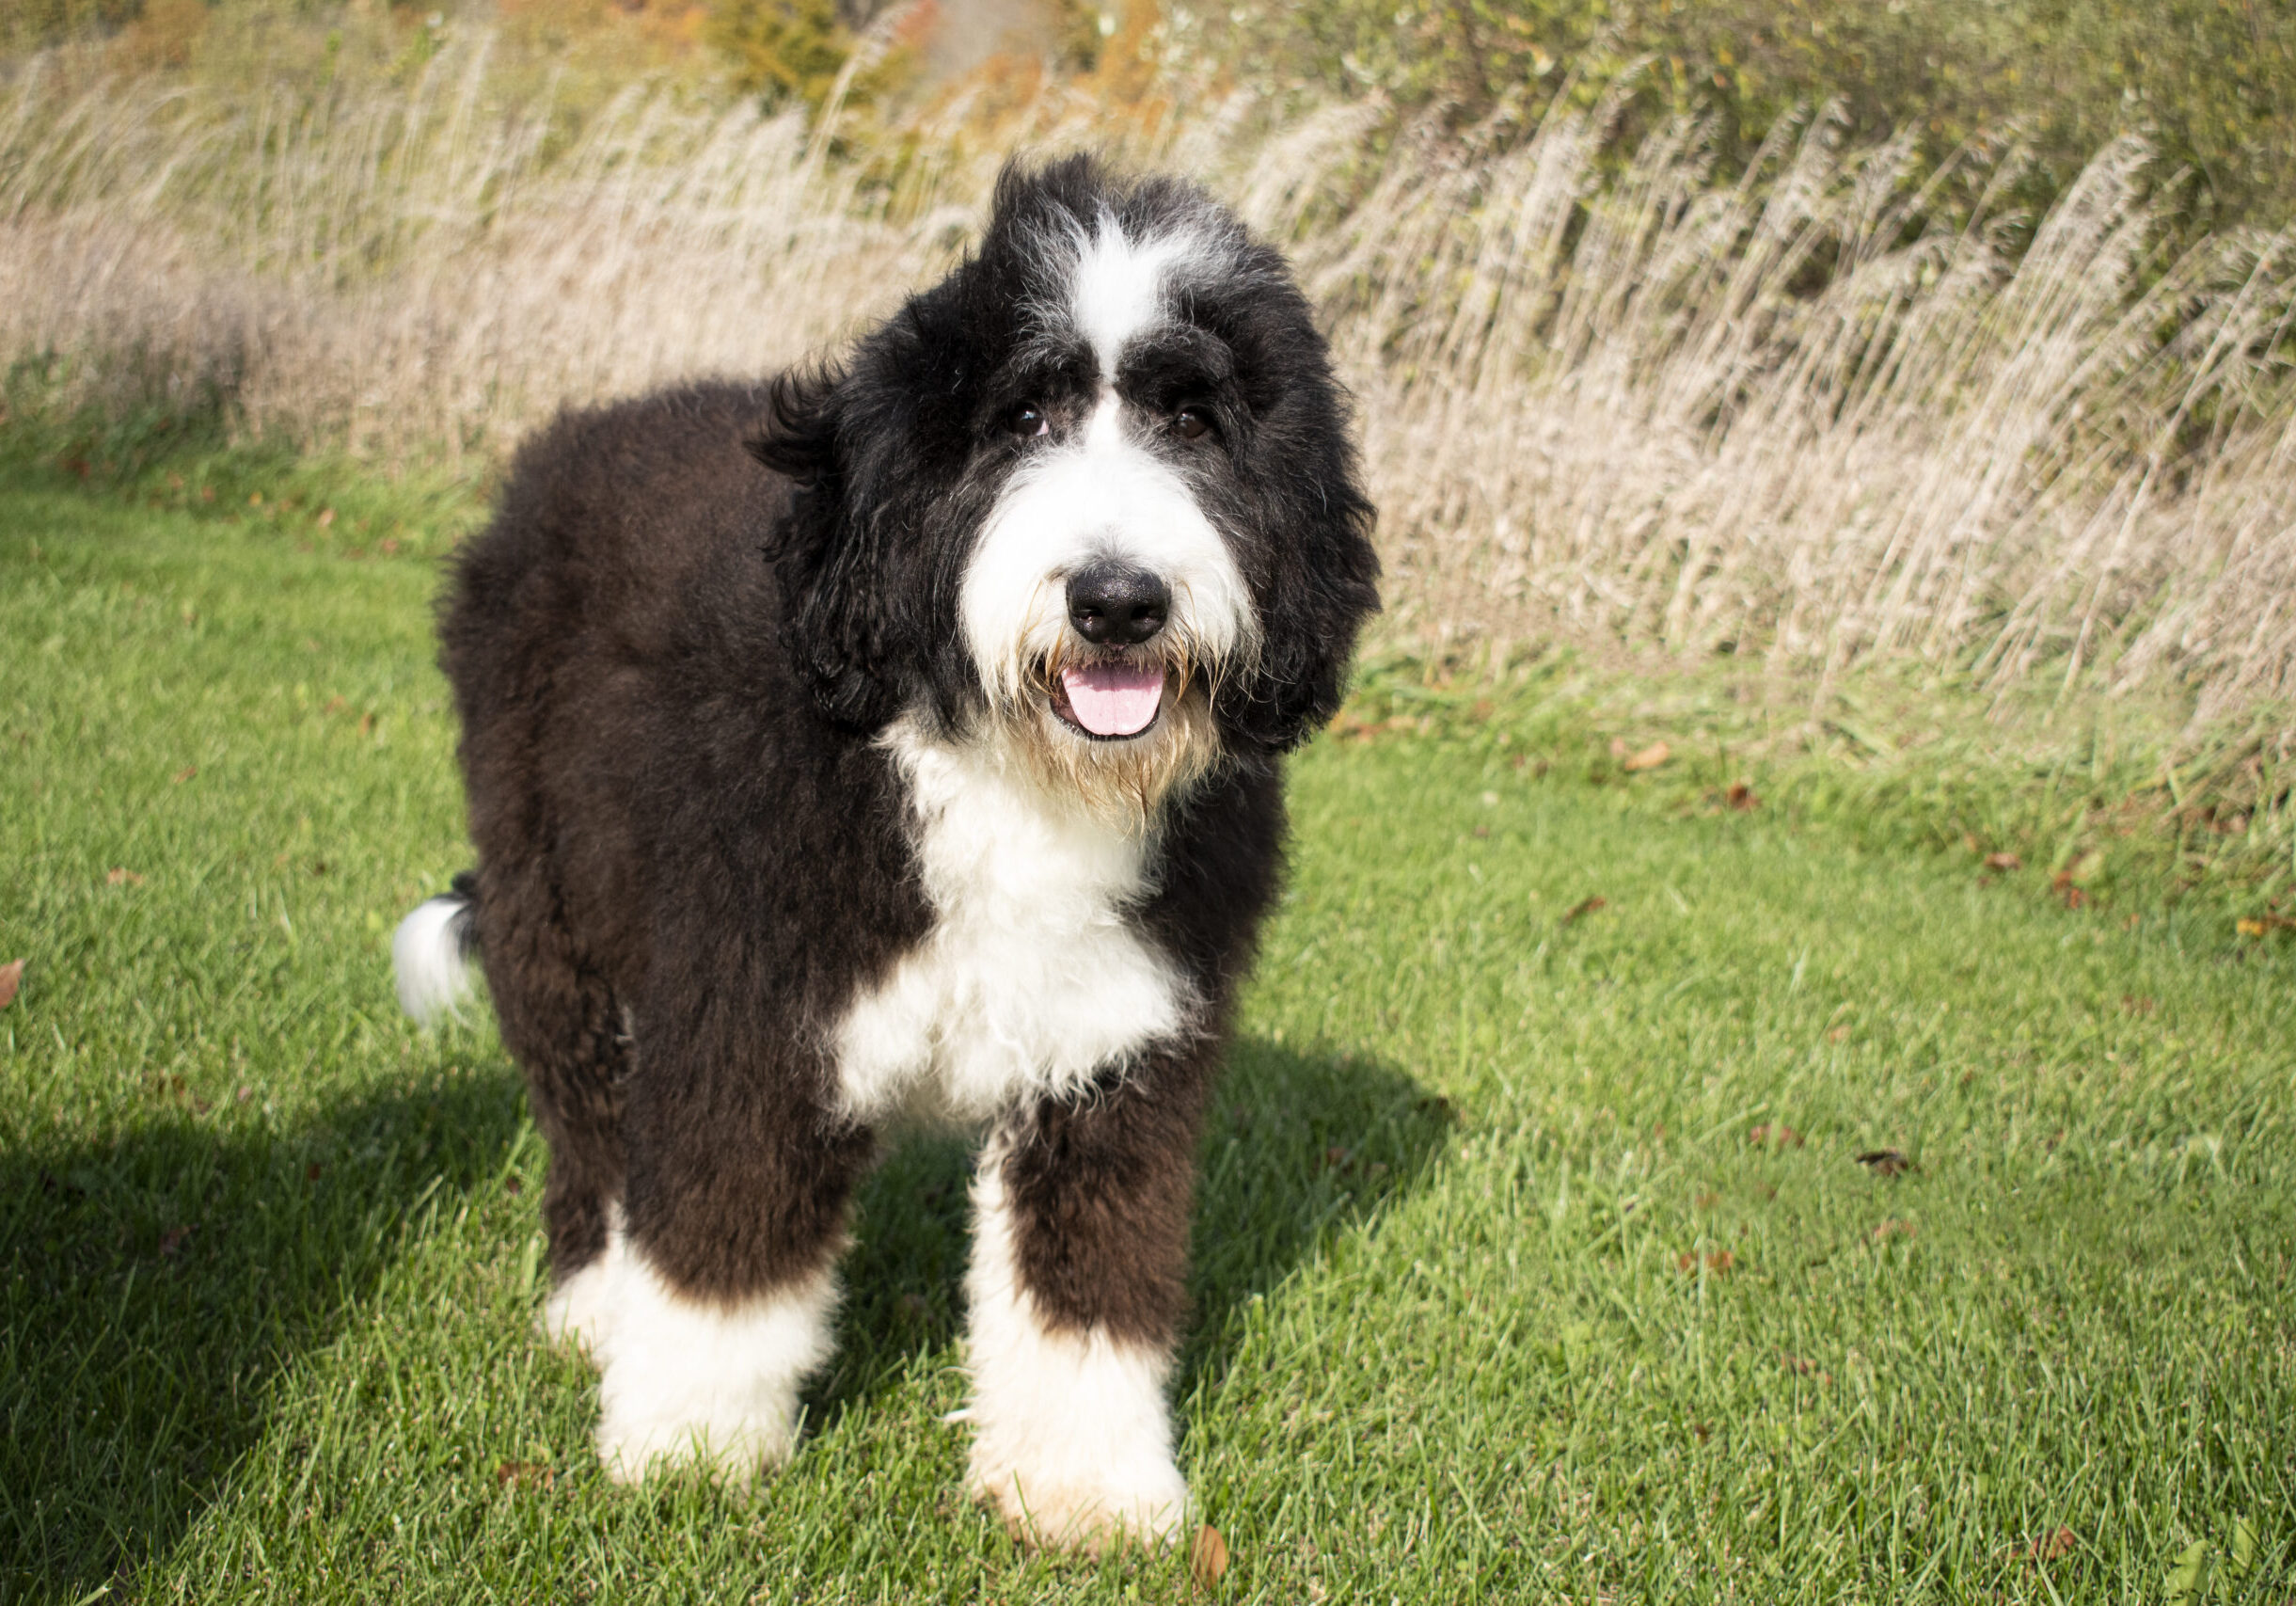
(1104, 430)
(1118, 285)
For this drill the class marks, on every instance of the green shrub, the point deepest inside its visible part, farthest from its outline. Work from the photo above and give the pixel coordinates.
(784, 50)
(2211, 82)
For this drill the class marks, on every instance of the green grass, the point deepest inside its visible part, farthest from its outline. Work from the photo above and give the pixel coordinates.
(1499, 1297)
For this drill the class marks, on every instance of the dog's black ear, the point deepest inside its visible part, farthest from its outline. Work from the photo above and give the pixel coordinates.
(1321, 583)
(1324, 588)
(800, 433)
(834, 621)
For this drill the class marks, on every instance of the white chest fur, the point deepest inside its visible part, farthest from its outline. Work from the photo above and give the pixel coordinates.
(1034, 976)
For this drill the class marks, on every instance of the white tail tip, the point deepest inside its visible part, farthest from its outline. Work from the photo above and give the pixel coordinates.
(429, 954)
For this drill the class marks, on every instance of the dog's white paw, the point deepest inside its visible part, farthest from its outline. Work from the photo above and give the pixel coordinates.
(690, 1382)
(635, 1442)
(1095, 1510)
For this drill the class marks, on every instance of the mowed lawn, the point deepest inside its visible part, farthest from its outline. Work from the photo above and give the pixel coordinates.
(1535, 1259)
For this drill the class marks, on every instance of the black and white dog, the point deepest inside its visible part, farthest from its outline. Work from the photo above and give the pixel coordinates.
(902, 741)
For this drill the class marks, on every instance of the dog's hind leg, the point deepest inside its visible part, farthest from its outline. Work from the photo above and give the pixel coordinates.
(1076, 1291)
(562, 1024)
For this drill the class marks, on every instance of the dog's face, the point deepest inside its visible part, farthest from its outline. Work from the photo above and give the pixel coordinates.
(1091, 496)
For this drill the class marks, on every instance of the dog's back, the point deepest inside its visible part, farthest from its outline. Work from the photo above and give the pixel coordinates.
(628, 549)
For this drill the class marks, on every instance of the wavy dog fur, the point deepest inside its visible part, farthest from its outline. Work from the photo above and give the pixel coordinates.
(791, 825)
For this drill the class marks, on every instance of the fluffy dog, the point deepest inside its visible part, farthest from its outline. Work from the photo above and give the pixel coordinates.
(902, 739)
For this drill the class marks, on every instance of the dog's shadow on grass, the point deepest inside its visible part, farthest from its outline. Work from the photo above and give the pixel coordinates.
(161, 1280)
(1303, 1143)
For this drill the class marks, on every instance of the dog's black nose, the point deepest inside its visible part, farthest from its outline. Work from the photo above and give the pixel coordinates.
(1116, 605)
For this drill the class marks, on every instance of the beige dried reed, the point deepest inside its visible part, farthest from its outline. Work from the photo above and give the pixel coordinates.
(1606, 397)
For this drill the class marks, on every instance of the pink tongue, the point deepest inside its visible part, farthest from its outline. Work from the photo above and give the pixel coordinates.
(1110, 699)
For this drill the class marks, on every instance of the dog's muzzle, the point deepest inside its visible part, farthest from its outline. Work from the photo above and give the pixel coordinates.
(1118, 609)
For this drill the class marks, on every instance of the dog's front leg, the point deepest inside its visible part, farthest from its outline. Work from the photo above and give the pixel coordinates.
(722, 1281)
(1076, 1290)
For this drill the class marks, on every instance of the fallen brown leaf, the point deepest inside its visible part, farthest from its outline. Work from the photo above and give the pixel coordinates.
(327, 516)
(1585, 907)
(1741, 797)
(186, 774)
(1894, 1227)
(2055, 1545)
(11, 978)
(1208, 1557)
(1718, 1261)
(1650, 757)
(121, 876)
(525, 1475)
(1886, 1163)
(2259, 925)
(173, 1239)
(1782, 1135)
(2003, 861)
(2063, 884)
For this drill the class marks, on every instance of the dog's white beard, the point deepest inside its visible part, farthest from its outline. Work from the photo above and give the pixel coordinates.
(1126, 784)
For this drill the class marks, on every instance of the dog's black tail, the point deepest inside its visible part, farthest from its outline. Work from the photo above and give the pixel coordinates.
(433, 950)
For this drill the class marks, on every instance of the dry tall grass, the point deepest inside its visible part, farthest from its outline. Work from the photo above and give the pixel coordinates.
(1607, 400)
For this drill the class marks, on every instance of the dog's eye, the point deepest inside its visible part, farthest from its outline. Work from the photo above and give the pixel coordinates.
(1192, 423)
(1028, 419)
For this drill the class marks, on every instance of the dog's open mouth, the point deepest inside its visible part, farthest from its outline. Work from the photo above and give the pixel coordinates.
(1109, 702)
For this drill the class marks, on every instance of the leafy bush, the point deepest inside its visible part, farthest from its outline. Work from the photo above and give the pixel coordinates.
(2211, 83)
(787, 51)
(24, 23)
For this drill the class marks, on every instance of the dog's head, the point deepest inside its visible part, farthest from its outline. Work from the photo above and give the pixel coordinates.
(1092, 496)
